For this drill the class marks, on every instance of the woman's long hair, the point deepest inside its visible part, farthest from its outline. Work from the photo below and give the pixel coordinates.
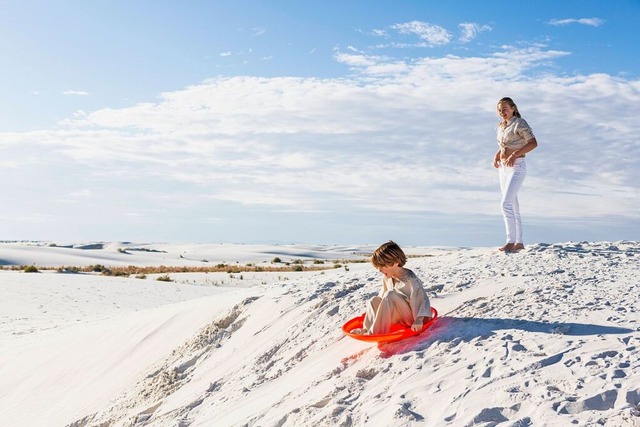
(509, 101)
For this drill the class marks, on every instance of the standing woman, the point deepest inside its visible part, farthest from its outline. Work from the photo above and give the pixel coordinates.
(515, 139)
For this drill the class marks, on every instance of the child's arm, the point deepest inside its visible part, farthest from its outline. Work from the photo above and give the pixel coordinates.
(384, 288)
(419, 301)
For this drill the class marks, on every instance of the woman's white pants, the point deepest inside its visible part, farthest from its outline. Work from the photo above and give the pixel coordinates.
(511, 179)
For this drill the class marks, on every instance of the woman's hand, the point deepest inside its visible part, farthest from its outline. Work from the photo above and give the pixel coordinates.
(511, 160)
(496, 160)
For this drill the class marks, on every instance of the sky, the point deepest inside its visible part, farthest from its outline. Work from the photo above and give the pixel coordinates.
(328, 122)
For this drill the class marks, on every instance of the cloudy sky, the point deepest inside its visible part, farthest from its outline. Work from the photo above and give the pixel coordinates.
(326, 122)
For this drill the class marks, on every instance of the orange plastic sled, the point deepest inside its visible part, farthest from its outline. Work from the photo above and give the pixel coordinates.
(398, 332)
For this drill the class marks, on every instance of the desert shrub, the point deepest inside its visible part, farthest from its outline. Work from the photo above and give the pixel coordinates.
(99, 268)
(164, 278)
(141, 276)
(30, 269)
(297, 267)
(276, 260)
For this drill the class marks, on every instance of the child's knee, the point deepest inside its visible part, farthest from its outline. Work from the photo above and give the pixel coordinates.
(375, 302)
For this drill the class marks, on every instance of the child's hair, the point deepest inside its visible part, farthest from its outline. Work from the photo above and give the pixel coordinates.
(388, 254)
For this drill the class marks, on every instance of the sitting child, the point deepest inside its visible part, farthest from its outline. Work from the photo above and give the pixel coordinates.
(402, 298)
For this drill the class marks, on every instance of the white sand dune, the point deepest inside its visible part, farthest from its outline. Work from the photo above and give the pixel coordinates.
(546, 337)
(127, 253)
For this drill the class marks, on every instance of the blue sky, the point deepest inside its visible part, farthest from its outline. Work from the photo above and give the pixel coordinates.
(327, 122)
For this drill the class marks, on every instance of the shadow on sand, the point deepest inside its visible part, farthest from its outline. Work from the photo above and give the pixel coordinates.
(449, 328)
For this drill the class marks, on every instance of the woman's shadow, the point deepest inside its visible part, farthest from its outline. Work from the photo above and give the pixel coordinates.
(465, 329)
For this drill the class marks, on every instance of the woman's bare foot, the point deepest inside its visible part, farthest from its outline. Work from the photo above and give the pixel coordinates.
(509, 247)
(518, 247)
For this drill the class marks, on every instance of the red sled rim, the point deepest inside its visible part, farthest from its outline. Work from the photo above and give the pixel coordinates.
(398, 332)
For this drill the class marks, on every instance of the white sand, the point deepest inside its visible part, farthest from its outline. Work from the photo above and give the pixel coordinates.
(546, 337)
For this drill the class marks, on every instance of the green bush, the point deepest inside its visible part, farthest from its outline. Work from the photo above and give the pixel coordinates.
(31, 269)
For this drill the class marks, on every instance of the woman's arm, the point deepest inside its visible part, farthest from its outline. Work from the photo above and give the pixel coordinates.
(530, 145)
(496, 159)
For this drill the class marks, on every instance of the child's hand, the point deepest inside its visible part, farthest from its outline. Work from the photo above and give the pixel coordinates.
(417, 324)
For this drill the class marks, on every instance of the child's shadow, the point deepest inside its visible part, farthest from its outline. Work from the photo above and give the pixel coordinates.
(459, 329)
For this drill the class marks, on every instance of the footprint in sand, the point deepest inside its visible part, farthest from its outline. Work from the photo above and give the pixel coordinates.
(510, 346)
(599, 402)
(572, 361)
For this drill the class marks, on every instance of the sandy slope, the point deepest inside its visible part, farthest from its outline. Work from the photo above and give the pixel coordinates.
(549, 336)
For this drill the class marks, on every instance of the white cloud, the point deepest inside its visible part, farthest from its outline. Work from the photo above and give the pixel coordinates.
(352, 49)
(75, 93)
(470, 30)
(403, 136)
(355, 60)
(379, 33)
(592, 22)
(432, 35)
